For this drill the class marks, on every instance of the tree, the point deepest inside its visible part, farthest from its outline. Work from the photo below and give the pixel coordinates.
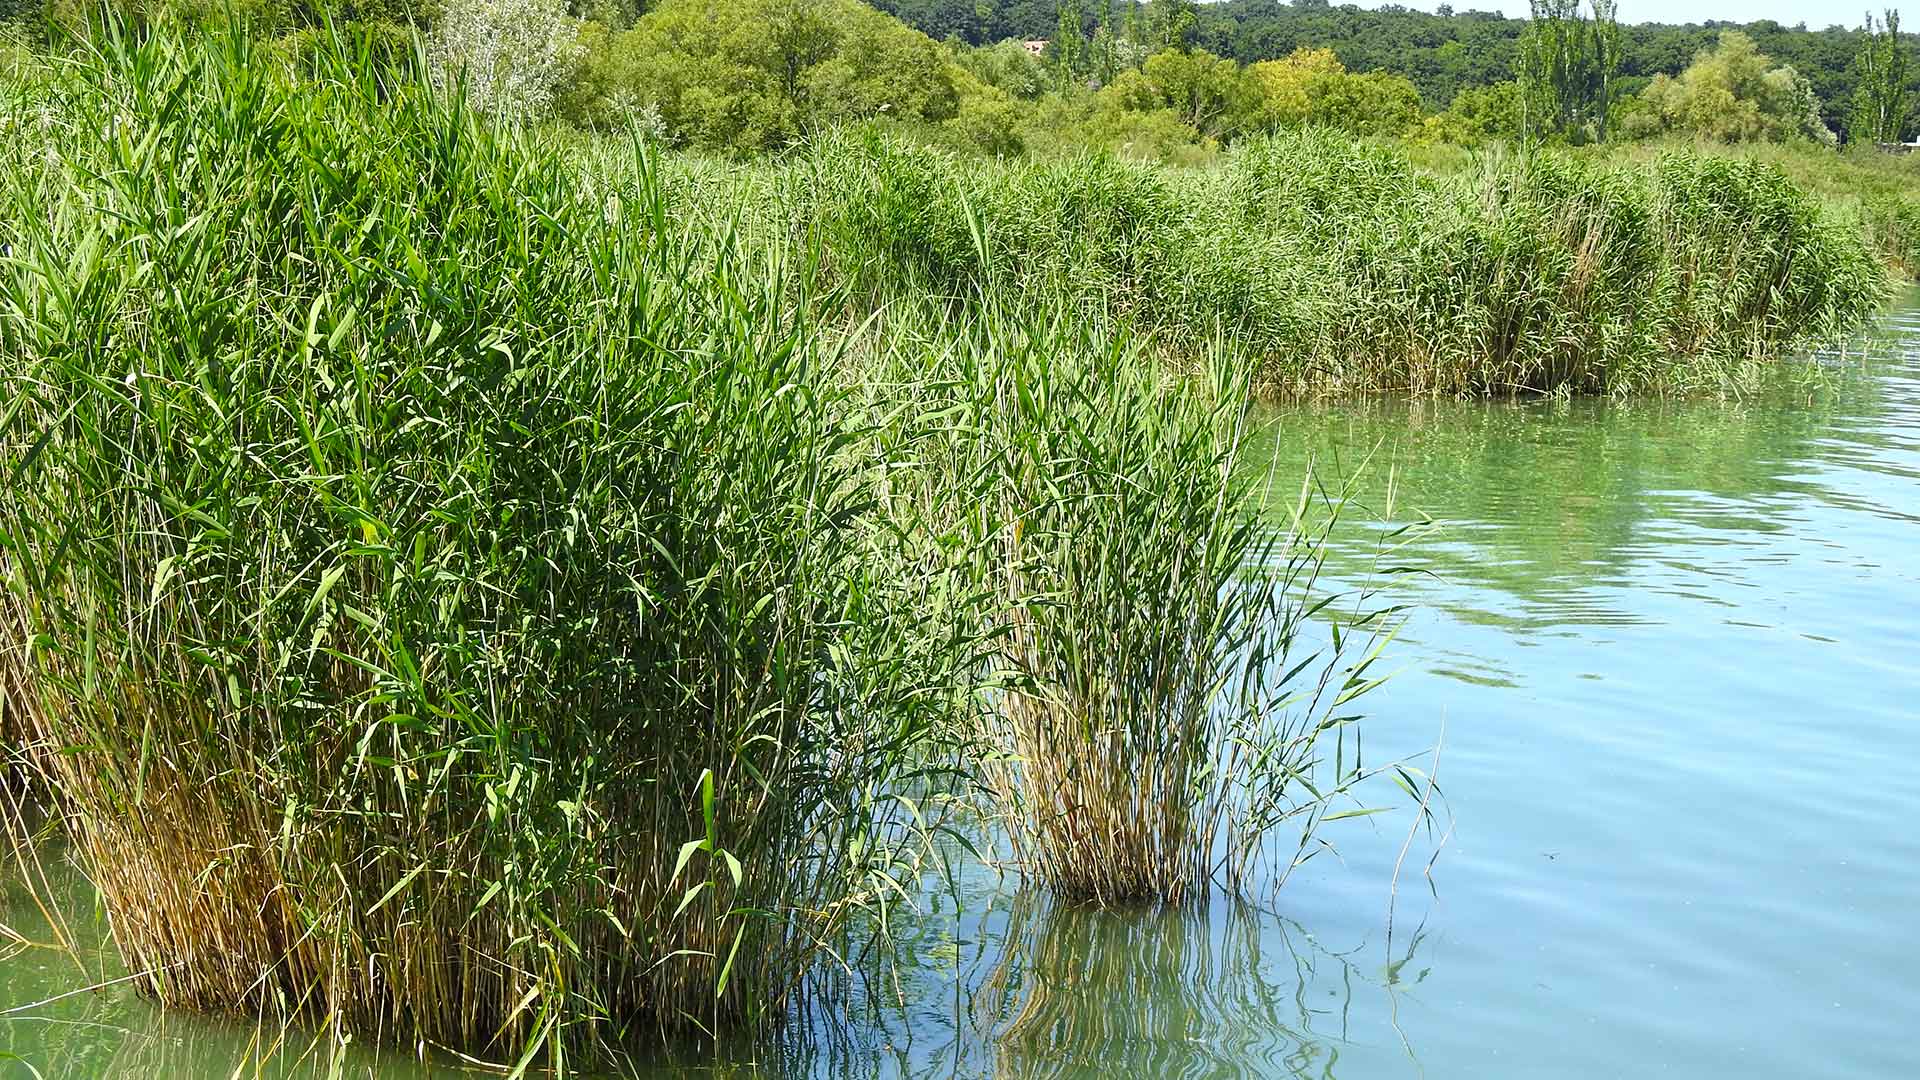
(755, 74)
(1491, 110)
(1067, 42)
(1732, 93)
(1105, 61)
(1568, 64)
(1211, 95)
(1441, 54)
(1881, 103)
(1006, 65)
(1313, 87)
(1174, 22)
(511, 55)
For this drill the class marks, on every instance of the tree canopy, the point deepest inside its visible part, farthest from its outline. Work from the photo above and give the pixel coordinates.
(1732, 93)
(755, 74)
(1441, 54)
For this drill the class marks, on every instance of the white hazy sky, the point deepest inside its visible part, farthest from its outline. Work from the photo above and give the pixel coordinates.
(1817, 14)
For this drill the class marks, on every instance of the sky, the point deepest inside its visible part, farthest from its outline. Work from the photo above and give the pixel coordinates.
(1817, 14)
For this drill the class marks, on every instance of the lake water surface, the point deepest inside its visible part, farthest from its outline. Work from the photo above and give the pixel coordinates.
(1674, 649)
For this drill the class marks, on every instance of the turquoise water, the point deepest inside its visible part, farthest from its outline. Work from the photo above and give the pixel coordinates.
(1670, 655)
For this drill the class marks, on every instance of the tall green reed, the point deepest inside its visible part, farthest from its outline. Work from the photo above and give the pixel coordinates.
(1339, 267)
(447, 598)
(486, 592)
(1151, 720)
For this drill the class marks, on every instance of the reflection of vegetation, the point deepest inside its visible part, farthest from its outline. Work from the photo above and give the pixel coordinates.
(1582, 482)
(1164, 993)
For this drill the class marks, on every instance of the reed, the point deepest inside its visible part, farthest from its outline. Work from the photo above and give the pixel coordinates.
(1892, 221)
(488, 590)
(1153, 724)
(451, 589)
(1341, 267)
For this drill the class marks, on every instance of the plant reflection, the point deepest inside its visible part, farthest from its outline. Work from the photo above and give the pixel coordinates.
(1233, 991)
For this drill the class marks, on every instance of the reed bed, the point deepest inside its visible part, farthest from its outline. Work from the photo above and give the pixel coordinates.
(1892, 221)
(488, 590)
(452, 598)
(488, 594)
(1339, 267)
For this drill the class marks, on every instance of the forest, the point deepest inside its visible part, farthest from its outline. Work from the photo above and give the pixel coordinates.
(1441, 52)
(1169, 79)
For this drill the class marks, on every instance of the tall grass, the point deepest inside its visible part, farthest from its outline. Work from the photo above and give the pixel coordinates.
(490, 591)
(447, 597)
(1152, 738)
(484, 593)
(1861, 185)
(1340, 267)
(1151, 726)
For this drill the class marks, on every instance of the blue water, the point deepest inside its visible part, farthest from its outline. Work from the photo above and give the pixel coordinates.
(1669, 655)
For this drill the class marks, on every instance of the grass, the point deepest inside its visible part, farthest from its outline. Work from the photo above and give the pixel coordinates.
(1863, 187)
(1340, 267)
(1149, 739)
(453, 594)
(450, 596)
(482, 588)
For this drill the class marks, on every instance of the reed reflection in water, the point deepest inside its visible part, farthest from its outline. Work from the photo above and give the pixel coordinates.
(1221, 991)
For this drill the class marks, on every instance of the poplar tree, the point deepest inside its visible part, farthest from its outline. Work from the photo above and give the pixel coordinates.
(1174, 23)
(1067, 41)
(1881, 103)
(1106, 54)
(1568, 66)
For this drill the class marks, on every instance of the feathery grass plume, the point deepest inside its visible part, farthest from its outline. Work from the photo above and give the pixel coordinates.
(450, 594)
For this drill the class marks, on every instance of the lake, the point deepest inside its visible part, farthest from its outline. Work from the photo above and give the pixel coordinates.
(1669, 653)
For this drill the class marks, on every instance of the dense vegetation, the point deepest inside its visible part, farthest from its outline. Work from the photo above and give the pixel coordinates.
(484, 592)
(514, 538)
(1167, 79)
(1338, 267)
(1440, 53)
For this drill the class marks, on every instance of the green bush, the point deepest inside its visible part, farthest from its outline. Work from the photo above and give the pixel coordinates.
(745, 75)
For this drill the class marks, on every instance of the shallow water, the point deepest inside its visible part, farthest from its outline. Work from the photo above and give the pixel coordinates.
(1674, 649)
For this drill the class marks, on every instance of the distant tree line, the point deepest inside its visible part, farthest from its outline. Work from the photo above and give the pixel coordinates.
(1441, 53)
(1171, 79)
